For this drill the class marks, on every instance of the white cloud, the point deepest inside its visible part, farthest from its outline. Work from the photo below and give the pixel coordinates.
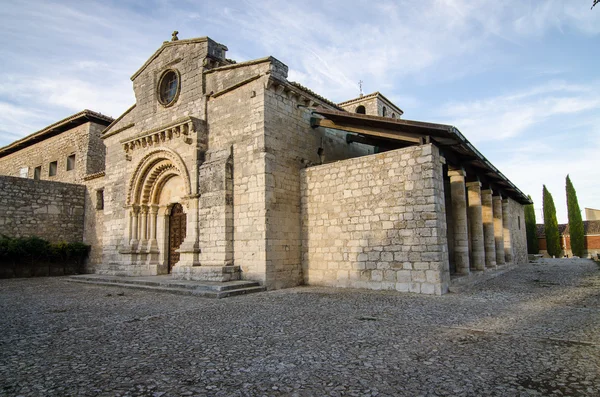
(550, 167)
(508, 116)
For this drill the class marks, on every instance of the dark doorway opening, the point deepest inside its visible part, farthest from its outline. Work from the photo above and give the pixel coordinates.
(177, 224)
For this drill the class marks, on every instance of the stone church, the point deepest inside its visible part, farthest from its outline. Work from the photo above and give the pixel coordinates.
(223, 171)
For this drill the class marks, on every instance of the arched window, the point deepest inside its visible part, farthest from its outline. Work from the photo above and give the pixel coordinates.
(393, 115)
(361, 109)
(384, 111)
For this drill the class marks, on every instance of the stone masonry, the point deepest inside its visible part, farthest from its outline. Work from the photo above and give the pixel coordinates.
(49, 210)
(222, 171)
(377, 222)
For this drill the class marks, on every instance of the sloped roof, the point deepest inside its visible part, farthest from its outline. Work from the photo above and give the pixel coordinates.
(369, 96)
(170, 44)
(447, 137)
(63, 125)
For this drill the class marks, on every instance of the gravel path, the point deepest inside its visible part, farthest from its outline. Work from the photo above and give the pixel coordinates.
(530, 332)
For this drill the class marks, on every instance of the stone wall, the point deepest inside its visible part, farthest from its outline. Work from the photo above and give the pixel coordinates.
(377, 222)
(82, 141)
(51, 210)
(374, 106)
(518, 234)
(291, 145)
(94, 220)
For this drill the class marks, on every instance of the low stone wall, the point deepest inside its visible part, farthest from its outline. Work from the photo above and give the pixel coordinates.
(377, 222)
(53, 211)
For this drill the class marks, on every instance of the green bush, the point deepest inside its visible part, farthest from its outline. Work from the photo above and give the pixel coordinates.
(22, 252)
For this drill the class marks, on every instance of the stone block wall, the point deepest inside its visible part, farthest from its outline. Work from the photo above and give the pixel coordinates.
(377, 222)
(374, 106)
(94, 221)
(518, 234)
(290, 146)
(53, 211)
(82, 141)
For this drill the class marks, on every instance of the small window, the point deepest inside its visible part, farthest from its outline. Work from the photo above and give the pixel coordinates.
(70, 162)
(37, 172)
(519, 221)
(52, 168)
(100, 199)
(361, 110)
(384, 111)
(168, 87)
(393, 115)
(24, 172)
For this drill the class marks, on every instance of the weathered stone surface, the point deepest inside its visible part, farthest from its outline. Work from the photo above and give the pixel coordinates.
(498, 229)
(476, 236)
(363, 215)
(488, 228)
(237, 154)
(460, 221)
(53, 211)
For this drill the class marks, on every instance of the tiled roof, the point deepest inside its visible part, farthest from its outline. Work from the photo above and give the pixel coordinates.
(374, 94)
(311, 92)
(589, 228)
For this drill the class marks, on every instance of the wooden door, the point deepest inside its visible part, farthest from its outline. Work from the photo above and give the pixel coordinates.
(177, 222)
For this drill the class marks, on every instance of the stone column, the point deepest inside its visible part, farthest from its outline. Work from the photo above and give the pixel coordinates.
(144, 224)
(506, 223)
(152, 229)
(130, 226)
(498, 229)
(475, 218)
(461, 226)
(135, 210)
(488, 228)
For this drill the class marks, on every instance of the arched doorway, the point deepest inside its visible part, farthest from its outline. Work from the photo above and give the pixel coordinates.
(177, 229)
(157, 222)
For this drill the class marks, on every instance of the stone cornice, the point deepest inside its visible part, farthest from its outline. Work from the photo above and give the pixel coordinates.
(181, 128)
(303, 94)
(89, 177)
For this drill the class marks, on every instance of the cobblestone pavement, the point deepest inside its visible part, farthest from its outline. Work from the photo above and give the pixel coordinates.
(532, 331)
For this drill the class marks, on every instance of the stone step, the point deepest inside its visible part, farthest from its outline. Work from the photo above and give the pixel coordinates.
(208, 289)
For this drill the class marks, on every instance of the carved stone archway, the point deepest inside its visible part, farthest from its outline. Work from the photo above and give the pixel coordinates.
(151, 174)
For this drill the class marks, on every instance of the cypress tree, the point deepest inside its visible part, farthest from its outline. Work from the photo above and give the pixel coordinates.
(551, 225)
(531, 229)
(576, 232)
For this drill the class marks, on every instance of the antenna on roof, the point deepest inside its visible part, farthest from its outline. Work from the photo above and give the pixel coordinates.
(360, 83)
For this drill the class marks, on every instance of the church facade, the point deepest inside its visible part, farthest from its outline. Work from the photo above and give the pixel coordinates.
(223, 171)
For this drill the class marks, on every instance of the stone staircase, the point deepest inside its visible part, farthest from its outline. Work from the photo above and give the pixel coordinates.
(207, 289)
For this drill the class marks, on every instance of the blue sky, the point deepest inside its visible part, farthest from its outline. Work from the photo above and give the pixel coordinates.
(520, 79)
